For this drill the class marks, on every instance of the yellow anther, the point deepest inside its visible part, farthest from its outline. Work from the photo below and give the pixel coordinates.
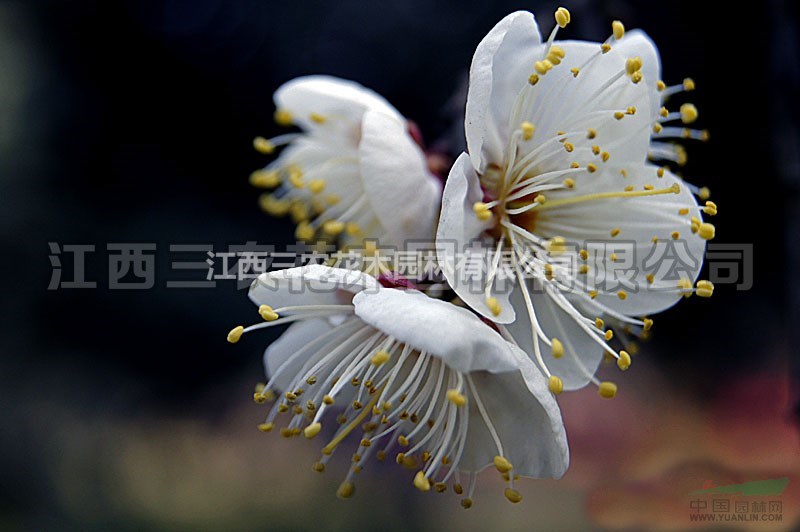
(402, 440)
(660, 85)
(482, 211)
(683, 212)
(304, 231)
(657, 128)
(353, 229)
(466, 503)
(607, 390)
(317, 118)
(569, 182)
(263, 145)
(282, 408)
(333, 227)
(660, 171)
(624, 360)
(235, 334)
(596, 150)
(512, 495)
(548, 271)
(541, 199)
(555, 385)
(613, 257)
(346, 490)
(631, 110)
(633, 64)
(266, 312)
(562, 17)
(619, 115)
(664, 112)
(704, 193)
(615, 231)
(648, 323)
(266, 427)
(599, 323)
(273, 206)
(381, 357)
(618, 29)
(365, 443)
(605, 47)
(575, 71)
(312, 430)
(609, 335)
(583, 269)
(421, 482)
(688, 113)
(542, 66)
(557, 348)
(591, 167)
(265, 179)
(628, 188)
(283, 117)
(494, 305)
(648, 187)
(622, 294)
(591, 133)
(296, 179)
(605, 156)
(593, 293)
(533, 79)
(688, 84)
(554, 59)
(650, 278)
(584, 254)
(636, 77)
(705, 289)
(710, 208)
(574, 165)
(319, 467)
(556, 245)
(685, 286)
(328, 400)
(456, 397)
(706, 231)
(286, 432)
(557, 51)
(315, 186)
(527, 130)
(569, 147)
(705, 135)
(298, 211)
(675, 235)
(502, 464)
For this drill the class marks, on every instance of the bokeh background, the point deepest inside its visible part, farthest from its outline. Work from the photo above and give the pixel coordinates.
(132, 122)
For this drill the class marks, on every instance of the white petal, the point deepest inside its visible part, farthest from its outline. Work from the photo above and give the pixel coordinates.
(330, 97)
(582, 355)
(500, 68)
(451, 333)
(458, 230)
(589, 224)
(403, 194)
(309, 285)
(291, 341)
(527, 420)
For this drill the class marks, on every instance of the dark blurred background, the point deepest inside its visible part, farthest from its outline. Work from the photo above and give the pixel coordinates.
(132, 122)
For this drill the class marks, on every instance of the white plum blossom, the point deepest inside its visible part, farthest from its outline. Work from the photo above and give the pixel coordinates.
(559, 149)
(353, 172)
(419, 379)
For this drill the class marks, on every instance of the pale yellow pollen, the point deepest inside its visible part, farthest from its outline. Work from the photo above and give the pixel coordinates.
(542, 67)
(456, 397)
(563, 17)
(569, 182)
(421, 482)
(555, 385)
(615, 231)
(557, 51)
(557, 348)
(706, 231)
(688, 84)
(283, 117)
(265, 179)
(494, 305)
(705, 288)
(315, 186)
(704, 193)
(710, 208)
(346, 490)
(312, 430)
(263, 145)
(688, 113)
(685, 286)
(607, 390)
(556, 245)
(533, 79)
(273, 206)
(266, 312)
(624, 360)
(333, 227)
(622, 294)
(527, 130)
(618, 29)
(633, 64)
(304, 231)
(591, 133)
(332, 199)
(317, 118)
(512, 495)
(236, 334)
(502, 464)
(482, 211)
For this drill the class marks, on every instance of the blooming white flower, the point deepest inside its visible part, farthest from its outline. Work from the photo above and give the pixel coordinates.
(353, 171)
(558, 134)
(409, 372)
